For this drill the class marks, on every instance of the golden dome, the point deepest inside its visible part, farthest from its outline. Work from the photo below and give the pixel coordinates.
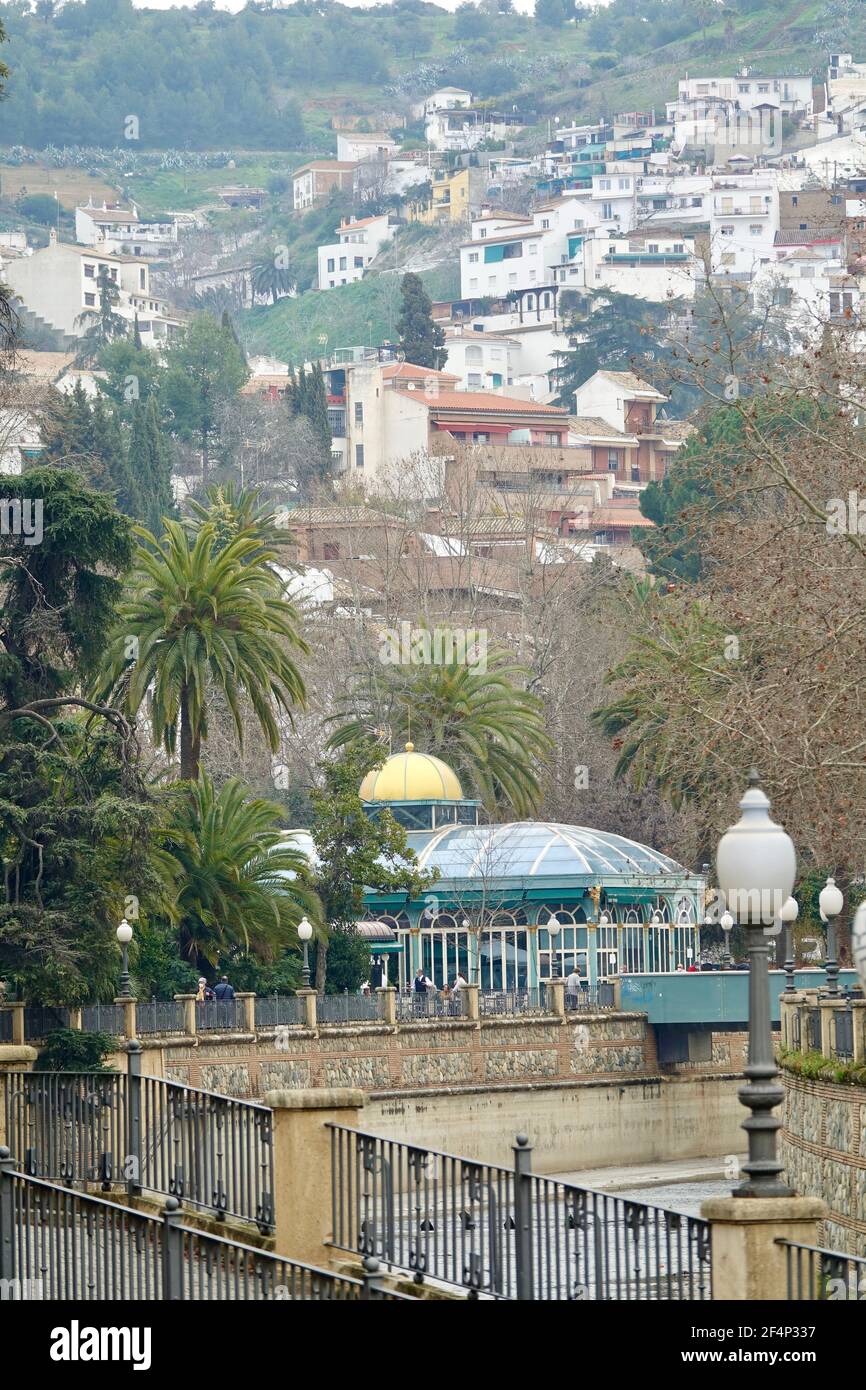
(412, 776)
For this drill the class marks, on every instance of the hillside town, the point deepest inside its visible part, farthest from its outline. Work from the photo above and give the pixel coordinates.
(432, 603)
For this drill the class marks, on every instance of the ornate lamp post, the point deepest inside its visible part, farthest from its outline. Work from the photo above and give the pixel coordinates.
(305, 933)
(830, 901)
(124, 936)
(756, 865)
(726, 922)
(788, 914)
(554, 927)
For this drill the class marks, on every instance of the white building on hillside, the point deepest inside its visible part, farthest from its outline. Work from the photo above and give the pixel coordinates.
(355, 145)
(648, 265)
(60, 284)
(344, 261)
(744, 220)
(119, 229)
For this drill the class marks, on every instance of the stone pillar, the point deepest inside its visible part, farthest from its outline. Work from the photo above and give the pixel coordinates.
(17, 1024)
(414, 952)
(617, 992)
(302, 1168)
(592, 955)
(748, 1265)
(128, 1006)
(533, 975)
(75, 1017)
(309, 998)
(828, 1039)
(556, 997)
(247, 1011)
(388, 1004)
(858, 1008)
(469, 995)
(189, 1024)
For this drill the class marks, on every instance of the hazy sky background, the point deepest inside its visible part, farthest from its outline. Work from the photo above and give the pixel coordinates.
(524, 6)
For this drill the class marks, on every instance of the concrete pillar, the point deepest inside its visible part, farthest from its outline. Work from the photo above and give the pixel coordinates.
(75, 1017)
(129, 1023)
(858, 1008)
(17, 1024)
(556, 997)
(247, 1011)
(748, 1265)
(13, 1057)
(828, 1008)
(469, 995)
(414, 952)
(532, 971)
(309, 997)
(188, 1001)
(388, 1004)
(592, 955)
(302, 1168)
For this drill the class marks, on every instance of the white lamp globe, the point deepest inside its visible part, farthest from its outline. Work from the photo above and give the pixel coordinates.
(830, 899)
(554, 925)
(604, 920)
(726, 922)
(756, 862)
(305, 930)
(124, 933)
(789, 911)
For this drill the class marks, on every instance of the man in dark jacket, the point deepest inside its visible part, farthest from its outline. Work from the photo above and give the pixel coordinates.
(223, 991)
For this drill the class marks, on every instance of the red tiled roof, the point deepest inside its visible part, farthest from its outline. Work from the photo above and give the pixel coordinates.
(489, 404)
(395, 370)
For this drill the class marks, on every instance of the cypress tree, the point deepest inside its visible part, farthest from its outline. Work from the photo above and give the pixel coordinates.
(150, 464)
(421, 339)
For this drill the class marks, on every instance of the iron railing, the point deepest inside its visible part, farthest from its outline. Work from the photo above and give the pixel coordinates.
(511, 1001)
(42, 1019)
(60, 1244)
(348, 1008)
(218, 1015)
(415, 1005)
(815, 1275)
(813, 1030)
(843, 1028)
(211, 1151)
(277, 1010)
(102, 1018)
(5, 1025)
(159, 1016)
(506, 1233)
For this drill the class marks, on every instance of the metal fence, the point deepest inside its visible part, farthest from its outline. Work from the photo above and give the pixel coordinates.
(159, 1016)
(512, 1001)
(102, 1018)
(506, 1233)
(42, 1019)
(813, 1030)
(815, 1275)
(5, 1025)
(843, 1029)
(218, 1015)
(277, 1010)
(212, 1151)
(415, 1005)
(59, 1244)
(348, 1008)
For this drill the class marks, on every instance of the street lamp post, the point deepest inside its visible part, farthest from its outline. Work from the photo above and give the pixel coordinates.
(305, 933)
(756, 865)
(554, 926)
(124, 936)
(830, 901)
(789, 913)
(726, 922)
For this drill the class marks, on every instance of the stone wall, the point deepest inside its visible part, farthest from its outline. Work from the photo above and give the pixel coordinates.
(824, 1151)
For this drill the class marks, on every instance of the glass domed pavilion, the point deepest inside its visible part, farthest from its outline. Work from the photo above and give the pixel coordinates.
(621, 906)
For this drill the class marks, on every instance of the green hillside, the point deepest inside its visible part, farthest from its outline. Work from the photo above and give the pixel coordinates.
(315, 323)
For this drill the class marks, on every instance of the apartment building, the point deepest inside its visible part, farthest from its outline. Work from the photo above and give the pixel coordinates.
(315, 181)
(119, 229)
(353, 146)
(359, 241)
(744, 220)
(649, 264)
(60, 283)
(792, 93)
(450, 198)
(617, 419)
(452, 122)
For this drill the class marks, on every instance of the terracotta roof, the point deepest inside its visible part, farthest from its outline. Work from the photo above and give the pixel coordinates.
(338, 516)
(45, 366)
(361, 222)
(615, 516)
(501, 217)
(395, 370)
(679, 430)
(326, 164)
(502, 236)
(630, 382)
(110, 214)
(486, 403)
(593, 427)
(806, 238)
(462, 331)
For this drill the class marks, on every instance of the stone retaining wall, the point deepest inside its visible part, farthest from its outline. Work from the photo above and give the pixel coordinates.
(824, 1152)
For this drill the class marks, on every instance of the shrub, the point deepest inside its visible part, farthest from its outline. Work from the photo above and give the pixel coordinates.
(69, 1049)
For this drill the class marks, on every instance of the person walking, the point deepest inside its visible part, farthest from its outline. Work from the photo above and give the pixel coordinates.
(572, 988)
(224, 991)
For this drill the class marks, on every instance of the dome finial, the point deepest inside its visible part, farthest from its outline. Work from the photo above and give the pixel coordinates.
(410, 747)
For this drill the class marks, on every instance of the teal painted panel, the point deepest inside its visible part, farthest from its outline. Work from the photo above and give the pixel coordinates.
(710, 996)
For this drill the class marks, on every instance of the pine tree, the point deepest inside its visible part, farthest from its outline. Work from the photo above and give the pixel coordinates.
(228, 325)
(87, 438)
(136, 336)
(421, 339)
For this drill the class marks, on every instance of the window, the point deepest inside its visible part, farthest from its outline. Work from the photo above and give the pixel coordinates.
(89, 271)
(533, 248)
(653, 248)
(553, 439)
(794, 200)
(359, 456)
(545, 223)
(802, 227)
(744, 87)
(607, 211)
(679, 248)
(473, 379)
(482, 234)
(835, 199)
(473, 285)
(625, 184)
(727, 230)
(530, 301)
(90, 299)
(359, 412)
(480, 437)
(343, 263)
(546, 300)
(807, 272)
(512, 279)
(604, 185)
(473, 257)
(359, 262)
(763, 86)
(755, 229)
(601, 538)
(331, 265)
(612, 460)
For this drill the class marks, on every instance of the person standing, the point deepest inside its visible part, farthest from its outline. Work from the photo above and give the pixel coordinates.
(224, 991)
(420, 982)
(572, 988)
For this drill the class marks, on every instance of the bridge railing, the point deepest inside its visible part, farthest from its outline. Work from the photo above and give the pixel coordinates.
(60, 1244)
(815, 1275)
(506, 1233)
(213, 1152)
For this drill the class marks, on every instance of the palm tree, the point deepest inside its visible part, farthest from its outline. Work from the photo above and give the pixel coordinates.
(236, 511)
(484, 724)
(198, 618)
(268, 279)
(240, 888)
